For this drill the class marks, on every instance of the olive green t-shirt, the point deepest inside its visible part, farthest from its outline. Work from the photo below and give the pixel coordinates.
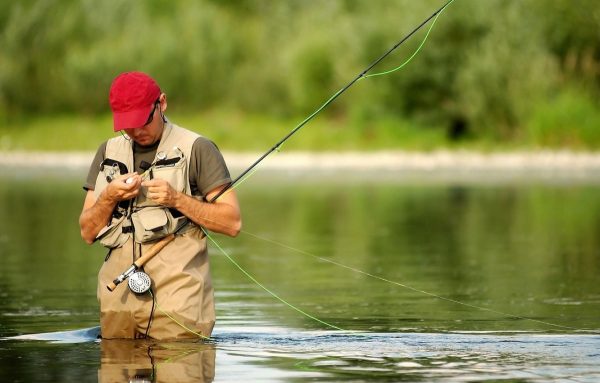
(207, 166)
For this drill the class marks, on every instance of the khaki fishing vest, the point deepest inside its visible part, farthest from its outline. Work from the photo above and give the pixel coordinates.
(180, 272)
(142, 219)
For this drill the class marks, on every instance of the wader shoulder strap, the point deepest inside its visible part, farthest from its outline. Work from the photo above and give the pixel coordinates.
(118, 155)
(175, 138)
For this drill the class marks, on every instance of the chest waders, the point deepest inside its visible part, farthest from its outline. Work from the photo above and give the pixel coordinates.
(161, 242)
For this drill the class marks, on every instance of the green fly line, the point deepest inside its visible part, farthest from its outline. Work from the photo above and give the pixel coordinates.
(203, 337)
(273, 294)
(362, 77)
(383, 279)
(415, 52)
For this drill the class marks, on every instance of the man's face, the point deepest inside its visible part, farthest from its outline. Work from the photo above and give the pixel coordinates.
(151, 132)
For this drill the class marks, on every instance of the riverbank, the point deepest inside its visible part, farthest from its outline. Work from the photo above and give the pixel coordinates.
(559, 162)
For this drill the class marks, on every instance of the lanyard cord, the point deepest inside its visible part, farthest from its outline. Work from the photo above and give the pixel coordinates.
(155, 302)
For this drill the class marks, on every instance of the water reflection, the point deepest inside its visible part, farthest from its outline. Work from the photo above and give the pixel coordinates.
(143, 361)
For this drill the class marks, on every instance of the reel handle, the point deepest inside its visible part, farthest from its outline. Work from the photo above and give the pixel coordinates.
(142, 260)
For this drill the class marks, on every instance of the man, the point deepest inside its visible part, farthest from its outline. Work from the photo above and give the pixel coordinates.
(154, 181)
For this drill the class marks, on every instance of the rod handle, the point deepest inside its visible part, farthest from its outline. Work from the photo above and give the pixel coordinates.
(153, 251)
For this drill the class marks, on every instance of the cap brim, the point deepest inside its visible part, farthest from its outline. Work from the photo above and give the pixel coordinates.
(131, 119)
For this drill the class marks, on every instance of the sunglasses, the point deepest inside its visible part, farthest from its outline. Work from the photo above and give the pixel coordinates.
(151, 116)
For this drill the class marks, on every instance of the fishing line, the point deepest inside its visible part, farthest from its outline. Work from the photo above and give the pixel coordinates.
(416, 51)
(252, 169)
(273, 294)
(175, 320)
(407, 286)
(151, 313)
(371, 275)
(177, 357)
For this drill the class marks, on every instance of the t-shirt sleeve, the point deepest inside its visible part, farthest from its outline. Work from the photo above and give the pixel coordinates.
(90, 182)
(208, 169)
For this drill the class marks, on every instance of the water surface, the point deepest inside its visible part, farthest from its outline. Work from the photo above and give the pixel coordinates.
(431, 279)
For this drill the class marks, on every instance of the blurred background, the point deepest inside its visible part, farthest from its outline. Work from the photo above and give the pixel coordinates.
(518, 74)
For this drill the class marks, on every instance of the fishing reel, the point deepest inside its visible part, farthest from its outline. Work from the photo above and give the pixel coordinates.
(139, 282)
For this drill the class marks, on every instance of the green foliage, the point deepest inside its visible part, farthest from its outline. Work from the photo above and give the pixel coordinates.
(574, 41)
(505, 74)
(487, 67)
(569, 119)
(232, 131)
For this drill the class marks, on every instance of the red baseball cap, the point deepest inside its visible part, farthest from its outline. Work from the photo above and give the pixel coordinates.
(132, 97)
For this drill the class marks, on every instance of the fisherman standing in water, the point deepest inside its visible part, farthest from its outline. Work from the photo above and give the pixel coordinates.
(142, 186)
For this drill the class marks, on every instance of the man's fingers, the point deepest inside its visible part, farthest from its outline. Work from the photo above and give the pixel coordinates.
(154, 183)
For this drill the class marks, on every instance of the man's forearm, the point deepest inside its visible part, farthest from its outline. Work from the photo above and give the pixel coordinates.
(219, 217)
(96, 212)
(95, 217)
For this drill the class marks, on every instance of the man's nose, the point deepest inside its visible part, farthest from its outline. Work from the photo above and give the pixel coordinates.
(133, 133)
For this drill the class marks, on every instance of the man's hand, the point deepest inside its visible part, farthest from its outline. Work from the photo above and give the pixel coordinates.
(222, 216)
(96, 213)
(161, 192)
(124, 187)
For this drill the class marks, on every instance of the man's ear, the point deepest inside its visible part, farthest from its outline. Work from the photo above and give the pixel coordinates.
(163, 102)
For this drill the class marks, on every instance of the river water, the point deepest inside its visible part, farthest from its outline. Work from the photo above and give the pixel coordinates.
(427, 278)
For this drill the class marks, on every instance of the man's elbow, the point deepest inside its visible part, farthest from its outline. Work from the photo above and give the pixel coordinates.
(85, 233)
(235, 229)
(87, 238)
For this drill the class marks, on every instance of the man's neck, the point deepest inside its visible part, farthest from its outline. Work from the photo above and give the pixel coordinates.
(137, 148)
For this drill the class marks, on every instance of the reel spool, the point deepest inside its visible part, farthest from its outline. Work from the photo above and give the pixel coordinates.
(139, 282)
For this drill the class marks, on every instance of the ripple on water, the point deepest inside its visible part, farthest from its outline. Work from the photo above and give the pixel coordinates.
(285, 353)
(436, 356)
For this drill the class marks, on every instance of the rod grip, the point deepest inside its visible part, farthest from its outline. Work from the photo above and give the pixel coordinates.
(153, 250)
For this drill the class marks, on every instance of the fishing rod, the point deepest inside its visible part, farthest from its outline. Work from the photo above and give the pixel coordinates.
(329, 101)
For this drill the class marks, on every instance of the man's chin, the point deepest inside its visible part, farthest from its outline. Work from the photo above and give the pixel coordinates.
(144, 142)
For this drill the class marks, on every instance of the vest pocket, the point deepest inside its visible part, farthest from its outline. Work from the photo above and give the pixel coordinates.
(172, 172)
(112, 236)
(109, 169)
(151, 223)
